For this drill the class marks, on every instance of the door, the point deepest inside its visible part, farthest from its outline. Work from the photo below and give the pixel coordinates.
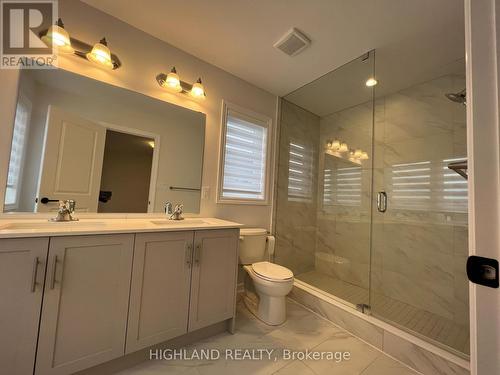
(482, 48)
(213, 283)
(22, 271)
(85, 305)
(72, 161)
(159, 297)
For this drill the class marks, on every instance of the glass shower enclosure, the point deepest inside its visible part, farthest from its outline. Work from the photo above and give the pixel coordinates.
(369, 206)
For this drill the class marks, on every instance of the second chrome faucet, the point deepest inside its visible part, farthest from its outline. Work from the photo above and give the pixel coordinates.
(174, 213)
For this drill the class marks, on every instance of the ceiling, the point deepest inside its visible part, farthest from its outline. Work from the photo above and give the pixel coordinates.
(238, 35)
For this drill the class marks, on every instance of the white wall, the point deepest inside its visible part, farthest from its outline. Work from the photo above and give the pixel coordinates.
(143, 57)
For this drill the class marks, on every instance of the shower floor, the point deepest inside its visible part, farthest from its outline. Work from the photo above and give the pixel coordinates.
(421, 322)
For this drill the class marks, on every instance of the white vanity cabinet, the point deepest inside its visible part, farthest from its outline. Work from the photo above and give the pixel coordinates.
(215, 267)
(22, 271)
(159, 294)
(181, 282)
(77, 301)
(85, 304)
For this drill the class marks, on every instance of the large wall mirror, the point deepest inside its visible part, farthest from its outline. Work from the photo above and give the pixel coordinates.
(109, 149)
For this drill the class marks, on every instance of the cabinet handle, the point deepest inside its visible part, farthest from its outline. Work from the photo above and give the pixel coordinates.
(53, 276)
(189, 251)
(197, 253)
(33, 274)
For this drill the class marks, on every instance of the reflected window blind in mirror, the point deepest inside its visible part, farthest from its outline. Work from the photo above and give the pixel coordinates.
(427, 185)
(21, 123)
(300, 172)
(342, 186)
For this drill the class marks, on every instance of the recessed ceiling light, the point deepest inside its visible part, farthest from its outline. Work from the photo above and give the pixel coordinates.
(370, 82)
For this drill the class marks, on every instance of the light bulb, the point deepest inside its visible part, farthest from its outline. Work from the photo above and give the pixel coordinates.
(364, 156)
(198, 91)
(343, 147)
(173, 81)
(358, 153)
(101, 54)
(58, 38)
(370, 82)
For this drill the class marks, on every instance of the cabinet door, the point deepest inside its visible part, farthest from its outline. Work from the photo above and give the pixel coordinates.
(159, 299)
(85, 305)
(213, 283)
(22, 271)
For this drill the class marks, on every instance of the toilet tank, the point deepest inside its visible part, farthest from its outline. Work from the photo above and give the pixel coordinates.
(252, 245)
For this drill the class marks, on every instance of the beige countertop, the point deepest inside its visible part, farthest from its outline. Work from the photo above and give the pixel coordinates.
(42, 227)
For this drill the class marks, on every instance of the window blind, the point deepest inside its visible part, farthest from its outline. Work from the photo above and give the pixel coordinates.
(244, 175)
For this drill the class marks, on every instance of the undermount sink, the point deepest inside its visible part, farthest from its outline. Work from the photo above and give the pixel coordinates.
(178, 222)
(49, 224)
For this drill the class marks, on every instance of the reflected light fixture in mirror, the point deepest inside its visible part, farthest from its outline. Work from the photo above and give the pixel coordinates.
(343, 147)
(101, 54)
(370, 82)
(58, 38)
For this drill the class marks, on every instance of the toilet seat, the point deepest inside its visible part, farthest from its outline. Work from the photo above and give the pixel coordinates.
(272, 272)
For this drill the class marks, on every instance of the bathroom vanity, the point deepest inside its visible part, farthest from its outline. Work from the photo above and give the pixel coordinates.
(78, 294)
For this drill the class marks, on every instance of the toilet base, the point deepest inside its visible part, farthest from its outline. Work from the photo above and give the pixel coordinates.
(270, 310)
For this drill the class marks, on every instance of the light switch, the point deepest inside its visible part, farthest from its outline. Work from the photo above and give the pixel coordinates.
(205, 192)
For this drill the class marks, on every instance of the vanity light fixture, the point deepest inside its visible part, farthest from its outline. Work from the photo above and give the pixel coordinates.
(58, 38)
(99, 53)
(172, 82)
(198, 91)
(370, 82)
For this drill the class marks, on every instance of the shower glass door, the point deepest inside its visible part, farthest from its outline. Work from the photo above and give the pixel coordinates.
(323, 203)
(419, 244)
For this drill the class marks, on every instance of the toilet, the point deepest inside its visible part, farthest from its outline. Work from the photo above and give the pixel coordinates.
(266, 284)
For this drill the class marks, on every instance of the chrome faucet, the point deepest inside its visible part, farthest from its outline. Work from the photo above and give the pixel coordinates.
(174, 213)
(65, 211)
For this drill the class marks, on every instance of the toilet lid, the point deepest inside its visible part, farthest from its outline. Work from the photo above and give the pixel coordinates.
(272, 271)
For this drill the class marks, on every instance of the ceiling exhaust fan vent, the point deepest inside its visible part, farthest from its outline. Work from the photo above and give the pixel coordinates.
(293, 42)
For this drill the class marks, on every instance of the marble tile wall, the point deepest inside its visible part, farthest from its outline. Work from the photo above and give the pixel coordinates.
(295, 221)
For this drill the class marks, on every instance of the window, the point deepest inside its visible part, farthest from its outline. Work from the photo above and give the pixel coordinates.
(300, 172)
(244, 162)
(17, 152)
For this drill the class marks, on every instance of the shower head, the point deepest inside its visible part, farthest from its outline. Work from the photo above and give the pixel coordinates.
(459, 97)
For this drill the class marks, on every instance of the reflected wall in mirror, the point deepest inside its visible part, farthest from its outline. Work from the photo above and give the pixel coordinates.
(109, 149)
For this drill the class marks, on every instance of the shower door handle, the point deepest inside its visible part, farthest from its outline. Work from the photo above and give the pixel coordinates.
(382, 201)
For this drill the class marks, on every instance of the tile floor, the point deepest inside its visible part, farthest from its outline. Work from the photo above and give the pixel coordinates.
(439, 329)
(303, 330)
